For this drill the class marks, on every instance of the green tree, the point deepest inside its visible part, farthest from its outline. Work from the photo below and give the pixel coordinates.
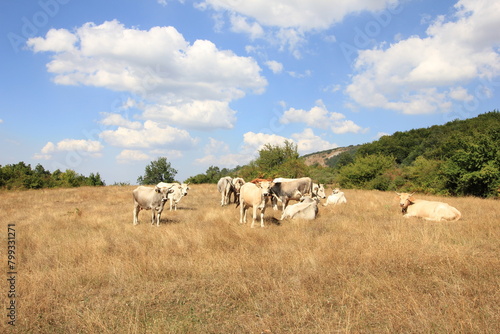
(276, 160)
(158, 171)
(366, 169)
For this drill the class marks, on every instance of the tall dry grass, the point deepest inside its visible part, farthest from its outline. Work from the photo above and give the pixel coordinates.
(358, 268)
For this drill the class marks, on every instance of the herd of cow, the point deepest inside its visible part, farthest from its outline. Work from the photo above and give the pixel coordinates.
(257, 193)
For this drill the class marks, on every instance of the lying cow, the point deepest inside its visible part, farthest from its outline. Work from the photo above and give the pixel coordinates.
(255, 195)
(429, 210)
(179, 191)
(147, 198)
(290, 189)
(318, 190)
(337, 197)
(226, 188)
(307, 208)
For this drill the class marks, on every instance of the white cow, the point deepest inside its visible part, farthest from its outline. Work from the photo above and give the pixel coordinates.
(179, 191)
(318, 190)
(429, 210)
(238, 182)
(337, 197)
(147, 198)
(225, 187)
(290, 189)
(255, 195)
(307, 208)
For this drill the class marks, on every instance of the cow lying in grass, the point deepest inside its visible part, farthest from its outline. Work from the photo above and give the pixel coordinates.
(429, 210)
(337, 197)
(307, 208)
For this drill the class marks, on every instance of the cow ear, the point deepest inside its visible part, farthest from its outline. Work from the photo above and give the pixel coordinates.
(158, 189)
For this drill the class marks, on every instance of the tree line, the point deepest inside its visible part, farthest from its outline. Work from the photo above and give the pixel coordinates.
(459, 158)
(22, 176)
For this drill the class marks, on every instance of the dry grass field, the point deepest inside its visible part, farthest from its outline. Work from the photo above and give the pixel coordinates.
(82, 267)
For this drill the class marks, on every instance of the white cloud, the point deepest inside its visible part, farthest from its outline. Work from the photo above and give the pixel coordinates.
(127, 156)
(319, 117)
(1, 121)
(85, 147)
(239, 24)
(412, 75)
(158, 65)
(303, 14)
(196, 114)
(308, 142)
(460, 94)
(216, 146)
(274, 66)
(151, 135)
(119, 120)
(289, 21)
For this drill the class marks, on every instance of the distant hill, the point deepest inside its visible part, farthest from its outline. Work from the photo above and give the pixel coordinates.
(322, 158)
(461, 157)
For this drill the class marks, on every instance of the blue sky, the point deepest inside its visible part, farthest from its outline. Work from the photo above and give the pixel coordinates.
(108, 86)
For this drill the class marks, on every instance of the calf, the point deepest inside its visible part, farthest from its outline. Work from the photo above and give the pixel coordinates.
(147, 198)
(255, 195)
(429, 210)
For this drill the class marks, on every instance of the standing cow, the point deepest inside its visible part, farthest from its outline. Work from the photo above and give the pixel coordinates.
(290, 189)
(429, 210)
(255, 195)
(226, 188)
(178, 192)
(147, 198)
(238, 182)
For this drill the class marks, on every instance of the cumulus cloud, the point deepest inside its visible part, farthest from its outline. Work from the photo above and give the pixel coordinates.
(319, 117)
(308, 142)
(240, 24)
(91, 148)
(274, 66)
(118, 120)
(287, 21)
(150, 135)
(303, 14)
(127, 156)
(158, 65)
(413, 75)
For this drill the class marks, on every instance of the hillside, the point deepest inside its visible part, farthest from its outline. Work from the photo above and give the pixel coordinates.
(321, 158)
(431, 142)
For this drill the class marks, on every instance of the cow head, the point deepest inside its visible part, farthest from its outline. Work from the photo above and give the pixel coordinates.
(164, 191)
(405, 199)
(335, 191)
(319, 190)
(265, 187)
(184, 189)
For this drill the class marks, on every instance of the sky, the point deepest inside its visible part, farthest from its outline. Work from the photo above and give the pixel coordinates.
(109, 86)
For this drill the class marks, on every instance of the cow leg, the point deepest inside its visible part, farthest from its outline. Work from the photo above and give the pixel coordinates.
(243, 214)
(136, 214)
(254, 215)
(153, 216)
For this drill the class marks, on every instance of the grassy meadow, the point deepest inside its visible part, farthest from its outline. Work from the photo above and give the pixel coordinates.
(358, 268)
